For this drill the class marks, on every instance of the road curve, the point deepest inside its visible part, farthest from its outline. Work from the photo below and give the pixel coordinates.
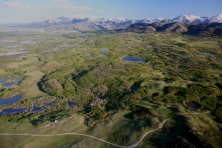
(99, 139)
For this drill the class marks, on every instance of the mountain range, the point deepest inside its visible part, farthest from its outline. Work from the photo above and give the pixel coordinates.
(187, 24)
(188, 18)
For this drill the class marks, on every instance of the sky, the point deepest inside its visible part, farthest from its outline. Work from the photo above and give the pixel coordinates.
(26, 11)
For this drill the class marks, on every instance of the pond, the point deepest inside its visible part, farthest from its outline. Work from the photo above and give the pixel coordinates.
(89, 54)
(193, 105)
(205, 53)
(49, 103)
(13, 47)
(36, 108)
(8, 41)
(104, 50)
(133, 59)
(7, 111)
(7, 84)
(134, 87)
(17, 80)
(209, 54)
(71, 103)
(3, 79)
(12, 53)
(30, 41)
(220, 63)
(199, 52)
(10, 100)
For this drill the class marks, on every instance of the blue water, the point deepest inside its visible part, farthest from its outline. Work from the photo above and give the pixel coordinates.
(50, 103)
(29, 42)
(71, 103)
(7, 111)
(17, 80)
(36, 109)
(134, 87)
(3, 79)
(11, 47)
(12, 53)
(104, 49)
(205, 53)
(209, 54)
(10, 100)
(7, 84)
(134, 59)
(199, 52)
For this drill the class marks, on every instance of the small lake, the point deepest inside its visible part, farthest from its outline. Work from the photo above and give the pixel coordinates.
(12, 53)
(17, 80)
(104, 50)
(134, 87)
(220, 63)
(10, 100)
(89, 54)
(205, 53)
(133, 59)
(8, 41)
(37, 109)
(7, 84)
(50, 103)
(3, 79)
(7, 111)
(71, 103)
(193, 105)
(30, 41)
(12, 47)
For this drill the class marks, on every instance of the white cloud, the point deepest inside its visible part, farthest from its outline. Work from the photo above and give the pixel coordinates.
(13, 5)
(75, 8)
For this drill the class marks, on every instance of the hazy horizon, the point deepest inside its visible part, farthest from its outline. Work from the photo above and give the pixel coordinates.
(25, 11)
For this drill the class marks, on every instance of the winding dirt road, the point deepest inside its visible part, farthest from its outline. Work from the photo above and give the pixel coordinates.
(85, 135)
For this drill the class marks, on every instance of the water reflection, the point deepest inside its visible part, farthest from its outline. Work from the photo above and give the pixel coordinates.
(10, 100)
(133, 59)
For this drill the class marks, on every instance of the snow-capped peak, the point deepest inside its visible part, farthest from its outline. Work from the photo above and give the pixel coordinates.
(187, 18)
(60, 19)
(218, 18)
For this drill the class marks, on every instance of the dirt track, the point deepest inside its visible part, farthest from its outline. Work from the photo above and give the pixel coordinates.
(85, 135)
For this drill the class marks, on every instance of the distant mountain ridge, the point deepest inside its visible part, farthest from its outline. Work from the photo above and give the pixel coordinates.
(89, 24)
(187, 18)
